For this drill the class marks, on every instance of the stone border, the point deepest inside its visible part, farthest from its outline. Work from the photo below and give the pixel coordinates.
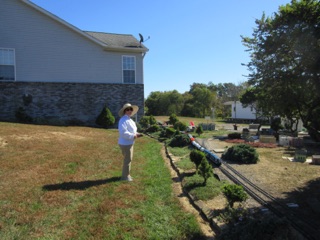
(198, 204)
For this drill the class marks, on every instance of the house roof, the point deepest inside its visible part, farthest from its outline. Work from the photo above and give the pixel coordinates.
(116, 40)
(109, 41)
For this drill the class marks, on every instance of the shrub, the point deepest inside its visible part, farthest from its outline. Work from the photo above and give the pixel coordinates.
(196, 157)
(22, 116)
(147, 121)
(205, 170)
(152, 120)
(144, 121)
(234, 215)
(105, 119)
(170, 132)
(265, 228)
(180, 126)
(234, 135)
(173, 119)
(199, 130)
(234, 193)
(153, 128)
(242, 153)
(180, 140)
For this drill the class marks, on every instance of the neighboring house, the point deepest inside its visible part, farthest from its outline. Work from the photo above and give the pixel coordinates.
(59, 74)
(240, 113)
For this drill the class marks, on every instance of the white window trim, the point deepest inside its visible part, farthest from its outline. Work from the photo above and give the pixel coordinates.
(14, 64)
(135, 69)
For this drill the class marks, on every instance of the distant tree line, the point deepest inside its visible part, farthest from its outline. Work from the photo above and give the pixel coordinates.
(200, 101)
(284, 73)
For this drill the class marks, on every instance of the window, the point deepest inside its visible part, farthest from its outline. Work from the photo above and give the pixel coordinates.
(7, 64)
(129, 69)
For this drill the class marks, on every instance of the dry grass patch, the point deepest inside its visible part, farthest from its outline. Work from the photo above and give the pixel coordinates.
(63, 183)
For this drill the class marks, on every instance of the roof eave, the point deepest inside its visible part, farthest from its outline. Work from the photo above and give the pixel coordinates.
(135, 50)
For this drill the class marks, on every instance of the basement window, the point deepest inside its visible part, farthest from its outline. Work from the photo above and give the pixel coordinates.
(129, 69)
(7, 64)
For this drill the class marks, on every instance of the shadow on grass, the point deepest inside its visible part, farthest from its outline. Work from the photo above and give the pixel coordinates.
(79, 185)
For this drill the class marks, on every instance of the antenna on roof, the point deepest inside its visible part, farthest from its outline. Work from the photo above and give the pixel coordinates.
(142, 39)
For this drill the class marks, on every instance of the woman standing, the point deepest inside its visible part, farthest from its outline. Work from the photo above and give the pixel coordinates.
(127, 135)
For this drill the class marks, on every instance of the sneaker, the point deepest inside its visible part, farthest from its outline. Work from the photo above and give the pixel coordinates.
(129, 179)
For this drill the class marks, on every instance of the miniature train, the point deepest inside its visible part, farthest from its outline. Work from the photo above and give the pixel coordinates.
(209, 155)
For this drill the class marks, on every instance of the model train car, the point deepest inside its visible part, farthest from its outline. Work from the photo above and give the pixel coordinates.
(209, 155)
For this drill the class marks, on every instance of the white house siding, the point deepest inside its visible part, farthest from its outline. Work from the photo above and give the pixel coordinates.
(68, 77)
(240, 112)
(48, 51)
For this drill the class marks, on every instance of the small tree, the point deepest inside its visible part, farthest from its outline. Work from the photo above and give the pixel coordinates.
(173, 119)
(105, 119)
(205, 170)
(147, 121)
(234, 193)
(199, 130)
(196, 157)
(180, 126)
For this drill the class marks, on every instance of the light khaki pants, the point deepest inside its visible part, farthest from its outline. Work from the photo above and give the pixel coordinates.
(127, 152)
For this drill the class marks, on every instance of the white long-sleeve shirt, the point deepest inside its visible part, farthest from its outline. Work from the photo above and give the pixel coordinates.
(127, 130)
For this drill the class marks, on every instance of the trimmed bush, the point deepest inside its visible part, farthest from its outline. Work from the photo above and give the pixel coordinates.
(170, 132)
(196, 157)
(153, 128)
(234, 193)
(241, 153)
(173, 119)
(234, 135)
(180, 126)
(180, 140)
(199, 130)
(22, 116)
(147, 121)
(105, 119)
(205, 170)
(144, 121)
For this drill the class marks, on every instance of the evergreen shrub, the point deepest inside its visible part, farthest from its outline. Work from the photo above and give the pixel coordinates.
(199, 130)
(105, 118)
(170, 132)
(234, 135)
(180, 126)
(173, 119)
(22, 116)
(180, 140)
(153, 128)
(241, 153)
(196, 156)
(234, 193)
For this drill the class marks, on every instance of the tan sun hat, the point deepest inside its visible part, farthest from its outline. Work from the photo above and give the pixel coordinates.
(128, 105)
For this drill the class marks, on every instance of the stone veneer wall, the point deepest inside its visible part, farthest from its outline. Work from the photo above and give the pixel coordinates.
(67, 103)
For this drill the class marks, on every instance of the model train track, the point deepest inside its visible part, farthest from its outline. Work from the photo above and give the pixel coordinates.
(305, 227)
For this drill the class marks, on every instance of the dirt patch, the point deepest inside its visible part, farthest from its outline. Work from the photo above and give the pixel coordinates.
(289, 182)
(46, 135)
(3, 142)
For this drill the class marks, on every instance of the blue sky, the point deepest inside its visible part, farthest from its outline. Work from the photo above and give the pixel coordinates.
(190, 41)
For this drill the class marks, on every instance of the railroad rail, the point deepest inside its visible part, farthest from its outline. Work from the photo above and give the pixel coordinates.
(305, 227)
